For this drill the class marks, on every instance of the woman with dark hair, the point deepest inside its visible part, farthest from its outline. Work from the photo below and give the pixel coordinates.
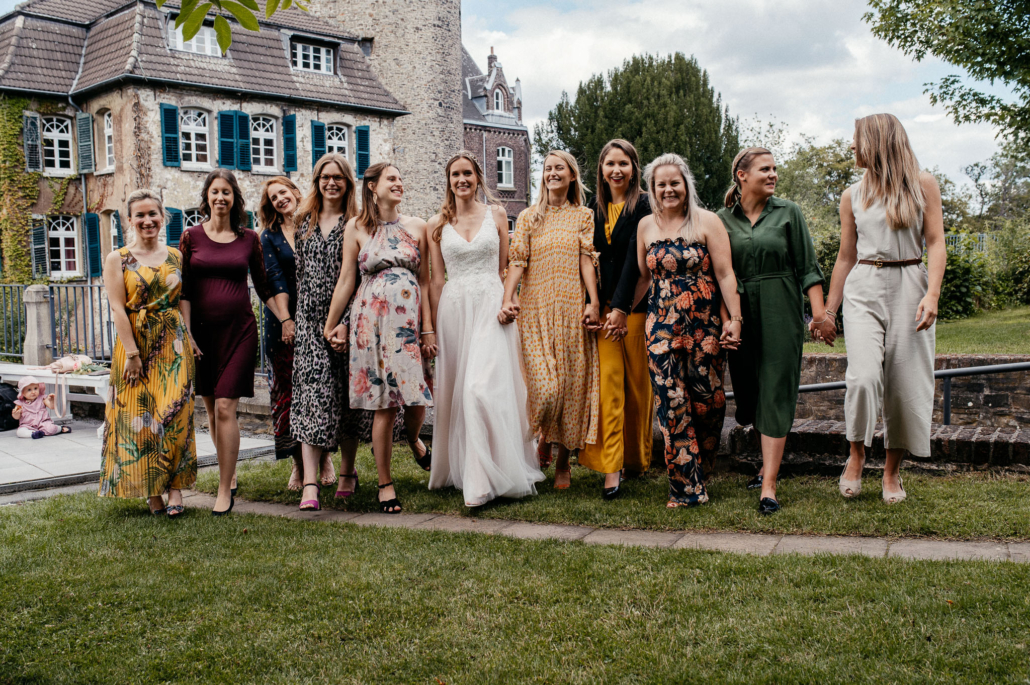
(774, 261)
(483, 444)
(626, 404)
(388, 318)
(217, 256)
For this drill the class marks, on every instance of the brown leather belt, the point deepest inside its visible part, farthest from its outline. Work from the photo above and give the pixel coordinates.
(878, 263)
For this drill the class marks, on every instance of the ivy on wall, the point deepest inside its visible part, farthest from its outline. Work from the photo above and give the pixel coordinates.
(19, 190)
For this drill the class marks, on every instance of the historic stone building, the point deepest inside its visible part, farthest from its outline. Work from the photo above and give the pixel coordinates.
(492, 116)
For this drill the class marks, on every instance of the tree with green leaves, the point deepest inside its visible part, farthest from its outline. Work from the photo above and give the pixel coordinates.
(990, 39)
(193, 13)
(660, 104)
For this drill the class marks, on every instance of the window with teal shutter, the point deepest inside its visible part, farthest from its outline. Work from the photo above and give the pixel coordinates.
(250, 220)
(363, 145)
(290, 142)
(227, 140)
(84, 133)
(32, 142)
(116, 223)
(93, 251)
(242, 141)
(170, 134)
(317, 141)
(40, 256)
(174, 229)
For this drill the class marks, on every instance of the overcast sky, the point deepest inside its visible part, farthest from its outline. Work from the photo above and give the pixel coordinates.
(811, 64)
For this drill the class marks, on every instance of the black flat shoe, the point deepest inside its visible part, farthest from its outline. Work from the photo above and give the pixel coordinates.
(755, 483)
(767, 506)
(232, 503)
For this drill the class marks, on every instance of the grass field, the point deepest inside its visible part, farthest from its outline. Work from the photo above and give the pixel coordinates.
(98, 591)
(966, 506)
(1005, 331)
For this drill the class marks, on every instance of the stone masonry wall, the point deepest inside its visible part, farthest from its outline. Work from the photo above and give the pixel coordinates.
(416, 54)
(1001, 400)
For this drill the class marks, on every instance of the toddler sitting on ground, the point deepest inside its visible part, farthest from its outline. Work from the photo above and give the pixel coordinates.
(31, 411)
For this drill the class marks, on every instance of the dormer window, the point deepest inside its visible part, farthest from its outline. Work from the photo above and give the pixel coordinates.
(204, 43)
(498, 100)
(308, 57)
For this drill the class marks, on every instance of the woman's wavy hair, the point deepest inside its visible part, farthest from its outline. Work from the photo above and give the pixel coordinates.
(892, 170)
(314, 202)
(269, 217)
(368, 218)
(577, 193)
(238, 212)
(691, 224)
(604, 193)
(138, 196)
(742, 162)
(449, 208)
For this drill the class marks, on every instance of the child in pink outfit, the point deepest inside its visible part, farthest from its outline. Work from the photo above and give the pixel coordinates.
(31, 410)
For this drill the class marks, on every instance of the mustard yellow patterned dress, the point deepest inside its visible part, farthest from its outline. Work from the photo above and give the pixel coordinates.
(148, 445)
(560, 356)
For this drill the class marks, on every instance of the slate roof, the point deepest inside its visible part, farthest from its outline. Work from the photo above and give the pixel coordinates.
(471, 77)
(128, 42)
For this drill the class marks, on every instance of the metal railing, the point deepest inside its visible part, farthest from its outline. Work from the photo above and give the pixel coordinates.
(946, 374)
(80, 322)
(979, 242)
(259, 313)
(12, 327)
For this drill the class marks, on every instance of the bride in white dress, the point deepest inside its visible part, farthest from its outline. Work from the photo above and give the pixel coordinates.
(481, 436)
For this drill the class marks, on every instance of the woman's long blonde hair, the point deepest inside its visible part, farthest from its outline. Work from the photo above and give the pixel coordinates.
(268, 216)
(449, 208)
(577, 194)
(892, 170)
(742, 162)
(313, 203)
(689, 231)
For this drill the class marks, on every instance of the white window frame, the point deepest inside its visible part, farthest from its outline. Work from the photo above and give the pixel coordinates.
(191, 217)
(316, 59)
(505, 167)
(263, 143)
(205, 42)
(62, 232)
(337, 139)
(194, 123)
(498, 100)
(108, 141)
(56, 138)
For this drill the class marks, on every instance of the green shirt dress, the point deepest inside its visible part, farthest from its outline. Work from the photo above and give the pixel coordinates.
(774, 262)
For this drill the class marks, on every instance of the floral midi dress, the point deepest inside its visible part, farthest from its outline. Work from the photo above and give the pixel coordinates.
(148, 444)
(686, 363)
(385, 356)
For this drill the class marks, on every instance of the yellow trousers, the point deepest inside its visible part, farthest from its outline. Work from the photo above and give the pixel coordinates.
(624, 436)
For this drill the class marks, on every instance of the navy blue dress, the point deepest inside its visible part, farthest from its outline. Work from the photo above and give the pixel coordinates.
(281, 273)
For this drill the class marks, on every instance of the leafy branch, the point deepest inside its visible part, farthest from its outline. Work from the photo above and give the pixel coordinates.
(192, 15)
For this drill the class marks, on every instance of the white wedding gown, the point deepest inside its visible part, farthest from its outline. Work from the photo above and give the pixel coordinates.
(482, 444)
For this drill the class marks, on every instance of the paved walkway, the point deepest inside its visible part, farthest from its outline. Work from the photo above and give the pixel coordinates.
(75, 457)
(743, 543)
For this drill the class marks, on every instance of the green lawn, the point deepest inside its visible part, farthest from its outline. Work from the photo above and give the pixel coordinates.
(97, 591)
(966, 506)
(1005, 331)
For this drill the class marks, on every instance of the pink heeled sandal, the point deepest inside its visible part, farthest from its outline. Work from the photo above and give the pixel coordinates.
(311, 504)
(340, 494)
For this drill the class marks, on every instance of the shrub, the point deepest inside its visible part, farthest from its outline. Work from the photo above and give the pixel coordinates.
(968, 285)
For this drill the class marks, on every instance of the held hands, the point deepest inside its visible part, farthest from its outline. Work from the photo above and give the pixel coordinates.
(133, 369)
(337, 337)
(591, 317)
(428, 346)
(509, 312)
(730, 338)
(615, 326)
(824, 330)
(289, 331)
(926, 315)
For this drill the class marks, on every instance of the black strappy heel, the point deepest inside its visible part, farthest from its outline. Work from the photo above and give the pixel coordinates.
(388, 507)
(426, 460)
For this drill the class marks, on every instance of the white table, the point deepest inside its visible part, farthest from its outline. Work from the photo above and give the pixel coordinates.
(12, 373)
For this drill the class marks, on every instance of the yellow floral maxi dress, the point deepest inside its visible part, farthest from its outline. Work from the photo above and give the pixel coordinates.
(149, 443)
(560, 356)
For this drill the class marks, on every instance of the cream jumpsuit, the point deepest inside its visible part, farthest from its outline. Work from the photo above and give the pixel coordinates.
(890, 365)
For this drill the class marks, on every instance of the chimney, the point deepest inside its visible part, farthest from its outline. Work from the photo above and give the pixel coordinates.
(491, 61)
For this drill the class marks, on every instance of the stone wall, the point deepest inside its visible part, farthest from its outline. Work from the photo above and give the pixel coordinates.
(1001, 400)
(416, 54)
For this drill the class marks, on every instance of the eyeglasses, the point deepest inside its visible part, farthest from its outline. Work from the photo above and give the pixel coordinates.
(337, 178)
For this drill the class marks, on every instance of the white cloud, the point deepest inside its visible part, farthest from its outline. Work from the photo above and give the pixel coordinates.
(812, 64)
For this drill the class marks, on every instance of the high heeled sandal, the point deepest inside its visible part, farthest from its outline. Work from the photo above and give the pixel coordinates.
(311, 504)
(558, 472)
(849, 489)
(340, 494)
(895, 497)
(544, 456)
(390, 506)
(425, 462)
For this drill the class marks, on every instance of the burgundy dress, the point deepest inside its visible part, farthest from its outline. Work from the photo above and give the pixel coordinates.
(214, 281)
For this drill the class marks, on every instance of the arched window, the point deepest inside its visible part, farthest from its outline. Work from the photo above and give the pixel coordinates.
(64, 246)
(262, 143)
(498, 100)
(192, 217)
(193, 127)
(57, 145)
(336, 139)
(505, 167)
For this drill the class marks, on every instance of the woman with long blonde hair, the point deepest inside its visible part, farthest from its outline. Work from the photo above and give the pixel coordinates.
(552, 254)
(483, 443)
(890, 300)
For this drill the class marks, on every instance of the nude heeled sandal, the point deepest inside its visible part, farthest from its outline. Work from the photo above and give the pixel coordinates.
(895, 497)
(849, 489)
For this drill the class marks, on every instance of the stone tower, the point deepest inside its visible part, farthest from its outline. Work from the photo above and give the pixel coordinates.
(416, 54)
